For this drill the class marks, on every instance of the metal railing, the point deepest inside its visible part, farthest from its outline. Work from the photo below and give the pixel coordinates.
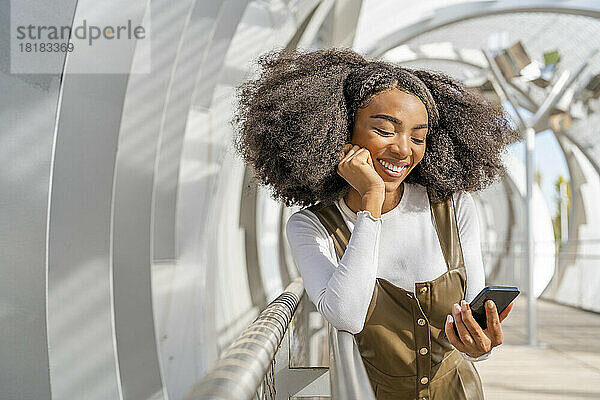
(263, 362)
(572, 265)
(247, 369)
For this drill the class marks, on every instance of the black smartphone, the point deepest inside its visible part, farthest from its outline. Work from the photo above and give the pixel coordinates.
(501, 295)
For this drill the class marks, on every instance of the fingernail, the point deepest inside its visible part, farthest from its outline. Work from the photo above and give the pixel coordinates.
(490, 304)
(463, 305)
(449, 319)
(456, 308)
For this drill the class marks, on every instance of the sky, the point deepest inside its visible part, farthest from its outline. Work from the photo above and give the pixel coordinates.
(549, 160)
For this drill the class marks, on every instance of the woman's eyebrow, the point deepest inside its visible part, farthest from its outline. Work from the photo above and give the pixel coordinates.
(396, 120)
(387, 117)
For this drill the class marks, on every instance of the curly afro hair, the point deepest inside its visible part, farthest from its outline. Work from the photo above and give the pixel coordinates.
(294, 118)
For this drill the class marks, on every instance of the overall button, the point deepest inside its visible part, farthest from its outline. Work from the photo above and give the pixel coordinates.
(423, 350)
(424, 380)
(424, 290)
(421, 321)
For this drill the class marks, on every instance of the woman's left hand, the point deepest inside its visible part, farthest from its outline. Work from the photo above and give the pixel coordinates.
(471, 339)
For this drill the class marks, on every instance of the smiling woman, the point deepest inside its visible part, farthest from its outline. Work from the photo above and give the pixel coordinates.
(392, 126)
(385, 158)
(295, 117)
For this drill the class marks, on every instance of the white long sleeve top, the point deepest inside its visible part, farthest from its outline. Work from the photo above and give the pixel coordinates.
(401, 247)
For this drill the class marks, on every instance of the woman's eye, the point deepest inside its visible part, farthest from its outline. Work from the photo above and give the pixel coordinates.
(418, 141)
(383, 132)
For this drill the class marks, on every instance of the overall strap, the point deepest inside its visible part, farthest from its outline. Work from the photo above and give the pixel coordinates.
(332, 220)
(446, 226)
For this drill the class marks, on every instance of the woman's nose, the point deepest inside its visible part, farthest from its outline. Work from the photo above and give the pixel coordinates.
(401, 146)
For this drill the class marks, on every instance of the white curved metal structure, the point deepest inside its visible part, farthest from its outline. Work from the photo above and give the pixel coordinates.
(123, 200)
(134, 244)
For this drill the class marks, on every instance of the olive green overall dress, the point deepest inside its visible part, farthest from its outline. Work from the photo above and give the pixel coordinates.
(402, 344)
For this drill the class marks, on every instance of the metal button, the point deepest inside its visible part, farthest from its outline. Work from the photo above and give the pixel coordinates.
(423, 350)
(423, 398)
(424, 380)
(424, 290)
(421, 321)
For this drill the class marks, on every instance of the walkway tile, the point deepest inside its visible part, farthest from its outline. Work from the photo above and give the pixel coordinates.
(566, 366)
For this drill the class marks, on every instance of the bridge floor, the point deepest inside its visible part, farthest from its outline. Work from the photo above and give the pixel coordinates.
(566, 366)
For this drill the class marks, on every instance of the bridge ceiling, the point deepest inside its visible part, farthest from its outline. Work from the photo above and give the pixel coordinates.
(453, 68)
(575, 36)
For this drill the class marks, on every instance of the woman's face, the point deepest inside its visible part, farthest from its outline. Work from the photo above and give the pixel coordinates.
(392, 127)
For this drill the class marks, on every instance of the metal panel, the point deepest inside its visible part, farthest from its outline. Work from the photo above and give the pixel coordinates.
(187, 207)
(156, 109)
(83, 347)
(172, 132)
(192, 48)
(144, 113)
(206, 81)
(577, 277)
(28, 106)
(82, 355)
(345, 21)
(212, 303)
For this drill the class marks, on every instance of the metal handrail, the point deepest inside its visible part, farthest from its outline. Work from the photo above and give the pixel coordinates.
(242, 368)
(347, 372)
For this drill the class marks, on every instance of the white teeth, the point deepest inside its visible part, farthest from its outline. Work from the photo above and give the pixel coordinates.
(391, 167)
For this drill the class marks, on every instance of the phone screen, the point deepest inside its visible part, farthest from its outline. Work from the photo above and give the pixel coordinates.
(501, 295)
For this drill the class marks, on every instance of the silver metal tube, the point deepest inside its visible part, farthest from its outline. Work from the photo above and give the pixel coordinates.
(529, 136)
(530, 243)
(315, 23)
(240, 371)
(504, 86)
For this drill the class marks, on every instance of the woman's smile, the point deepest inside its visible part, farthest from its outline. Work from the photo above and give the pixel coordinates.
(393, 168)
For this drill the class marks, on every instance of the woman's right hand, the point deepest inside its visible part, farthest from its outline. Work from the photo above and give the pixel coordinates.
(356, 167)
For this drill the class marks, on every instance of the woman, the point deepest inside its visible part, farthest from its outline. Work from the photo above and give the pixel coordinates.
(389, 248)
